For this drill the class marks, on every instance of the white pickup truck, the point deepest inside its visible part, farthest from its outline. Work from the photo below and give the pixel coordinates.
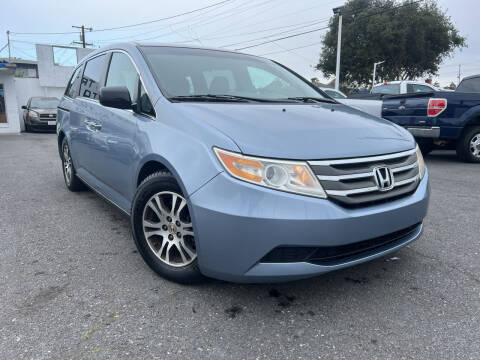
(373, 107)
(403, 87)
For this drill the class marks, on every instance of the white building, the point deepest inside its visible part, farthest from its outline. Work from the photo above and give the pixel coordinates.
(22, 79)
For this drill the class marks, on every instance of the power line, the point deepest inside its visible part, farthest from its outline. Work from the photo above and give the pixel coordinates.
(163, 19)
(326, 27)
(124, 26)
(295, 48)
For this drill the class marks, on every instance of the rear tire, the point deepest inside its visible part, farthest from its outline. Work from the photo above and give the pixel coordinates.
(72, 182)
(163, 231)
(468, 146)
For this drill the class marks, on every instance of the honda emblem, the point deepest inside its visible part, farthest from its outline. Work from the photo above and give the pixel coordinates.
(383, 178)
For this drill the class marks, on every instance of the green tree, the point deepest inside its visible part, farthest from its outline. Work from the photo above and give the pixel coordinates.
(412, 37)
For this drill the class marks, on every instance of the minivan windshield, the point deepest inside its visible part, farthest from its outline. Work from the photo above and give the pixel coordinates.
(46, 103)
(188, 74)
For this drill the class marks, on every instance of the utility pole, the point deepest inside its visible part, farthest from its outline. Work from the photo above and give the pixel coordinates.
(82, 36)
(375, 71)
(459, 73)
(339, 11)
(8, 42)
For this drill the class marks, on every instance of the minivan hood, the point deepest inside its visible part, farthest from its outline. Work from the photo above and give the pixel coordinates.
(301, 131)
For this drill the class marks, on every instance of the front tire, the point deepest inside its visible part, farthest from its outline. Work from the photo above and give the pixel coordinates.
(163, 229)
(468, 146)
(426, 147)
(72, 182)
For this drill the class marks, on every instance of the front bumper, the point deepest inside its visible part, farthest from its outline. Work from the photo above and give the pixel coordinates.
(432, 132)
(42, 125)
(237, 224)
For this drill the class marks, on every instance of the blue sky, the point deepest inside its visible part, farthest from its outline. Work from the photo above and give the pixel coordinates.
(232, 24)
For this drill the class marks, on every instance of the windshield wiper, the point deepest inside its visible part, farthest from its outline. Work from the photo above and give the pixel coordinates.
(307, 99)
(226, 98)
(212, 97)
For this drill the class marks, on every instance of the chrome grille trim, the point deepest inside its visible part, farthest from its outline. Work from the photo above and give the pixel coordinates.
(353, 182)
(362, 159)
(369, 189)
(364, 175)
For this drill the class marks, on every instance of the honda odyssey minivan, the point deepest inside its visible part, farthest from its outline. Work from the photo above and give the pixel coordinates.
(234, 167)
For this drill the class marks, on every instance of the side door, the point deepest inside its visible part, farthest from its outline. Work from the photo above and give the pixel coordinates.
(87, 116)
(116, 137)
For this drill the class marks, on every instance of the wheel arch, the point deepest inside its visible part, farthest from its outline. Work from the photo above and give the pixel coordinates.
(154, 163)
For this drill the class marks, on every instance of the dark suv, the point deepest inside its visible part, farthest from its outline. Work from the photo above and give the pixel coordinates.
(40, 113)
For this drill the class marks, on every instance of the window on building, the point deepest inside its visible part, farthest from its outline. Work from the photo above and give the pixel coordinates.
(26, 72)
(123, 73)
(92, 76)
(64, 56)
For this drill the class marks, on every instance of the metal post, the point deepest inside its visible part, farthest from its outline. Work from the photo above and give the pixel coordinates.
(339, 50)
(82, 36)
(375, 71)
(8, 41)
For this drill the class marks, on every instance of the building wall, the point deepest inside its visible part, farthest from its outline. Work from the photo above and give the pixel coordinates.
(11, 107)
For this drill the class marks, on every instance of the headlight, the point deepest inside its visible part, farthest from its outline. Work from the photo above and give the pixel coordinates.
(421, 163)
(292, 176)
(33, 114)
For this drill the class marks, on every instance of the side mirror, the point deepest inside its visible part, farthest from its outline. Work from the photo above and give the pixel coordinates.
(116, 97)
(24, 107)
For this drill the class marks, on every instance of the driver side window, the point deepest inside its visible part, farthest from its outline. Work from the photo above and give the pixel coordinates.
(122, 72)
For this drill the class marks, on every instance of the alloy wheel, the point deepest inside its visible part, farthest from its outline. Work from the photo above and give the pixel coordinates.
(475, 145)
(67, 164)
(168, 229)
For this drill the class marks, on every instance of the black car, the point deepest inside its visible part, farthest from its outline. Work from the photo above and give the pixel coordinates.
(40, 113)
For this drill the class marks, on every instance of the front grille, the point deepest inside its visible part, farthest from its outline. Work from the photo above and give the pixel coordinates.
(333, 255)
(47, 117)
(353, 183)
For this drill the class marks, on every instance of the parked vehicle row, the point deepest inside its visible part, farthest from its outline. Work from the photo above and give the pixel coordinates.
(233, 167)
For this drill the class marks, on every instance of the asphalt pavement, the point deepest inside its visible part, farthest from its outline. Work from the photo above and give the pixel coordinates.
(72, 285)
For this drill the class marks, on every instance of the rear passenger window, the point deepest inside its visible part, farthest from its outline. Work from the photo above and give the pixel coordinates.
(93, 74)
(123, 73)
(74, 84)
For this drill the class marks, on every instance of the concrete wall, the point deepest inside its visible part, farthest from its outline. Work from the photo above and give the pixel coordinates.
(49, 74)
(52, 75)
(11, 106)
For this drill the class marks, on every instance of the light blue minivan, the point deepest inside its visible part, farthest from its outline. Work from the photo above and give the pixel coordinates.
(234, 167)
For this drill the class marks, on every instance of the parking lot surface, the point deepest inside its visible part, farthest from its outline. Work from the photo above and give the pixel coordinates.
(74, 287)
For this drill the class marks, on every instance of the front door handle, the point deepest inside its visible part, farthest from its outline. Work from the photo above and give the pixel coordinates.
(92, 126)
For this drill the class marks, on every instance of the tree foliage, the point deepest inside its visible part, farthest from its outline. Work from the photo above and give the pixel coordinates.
(413, 38)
